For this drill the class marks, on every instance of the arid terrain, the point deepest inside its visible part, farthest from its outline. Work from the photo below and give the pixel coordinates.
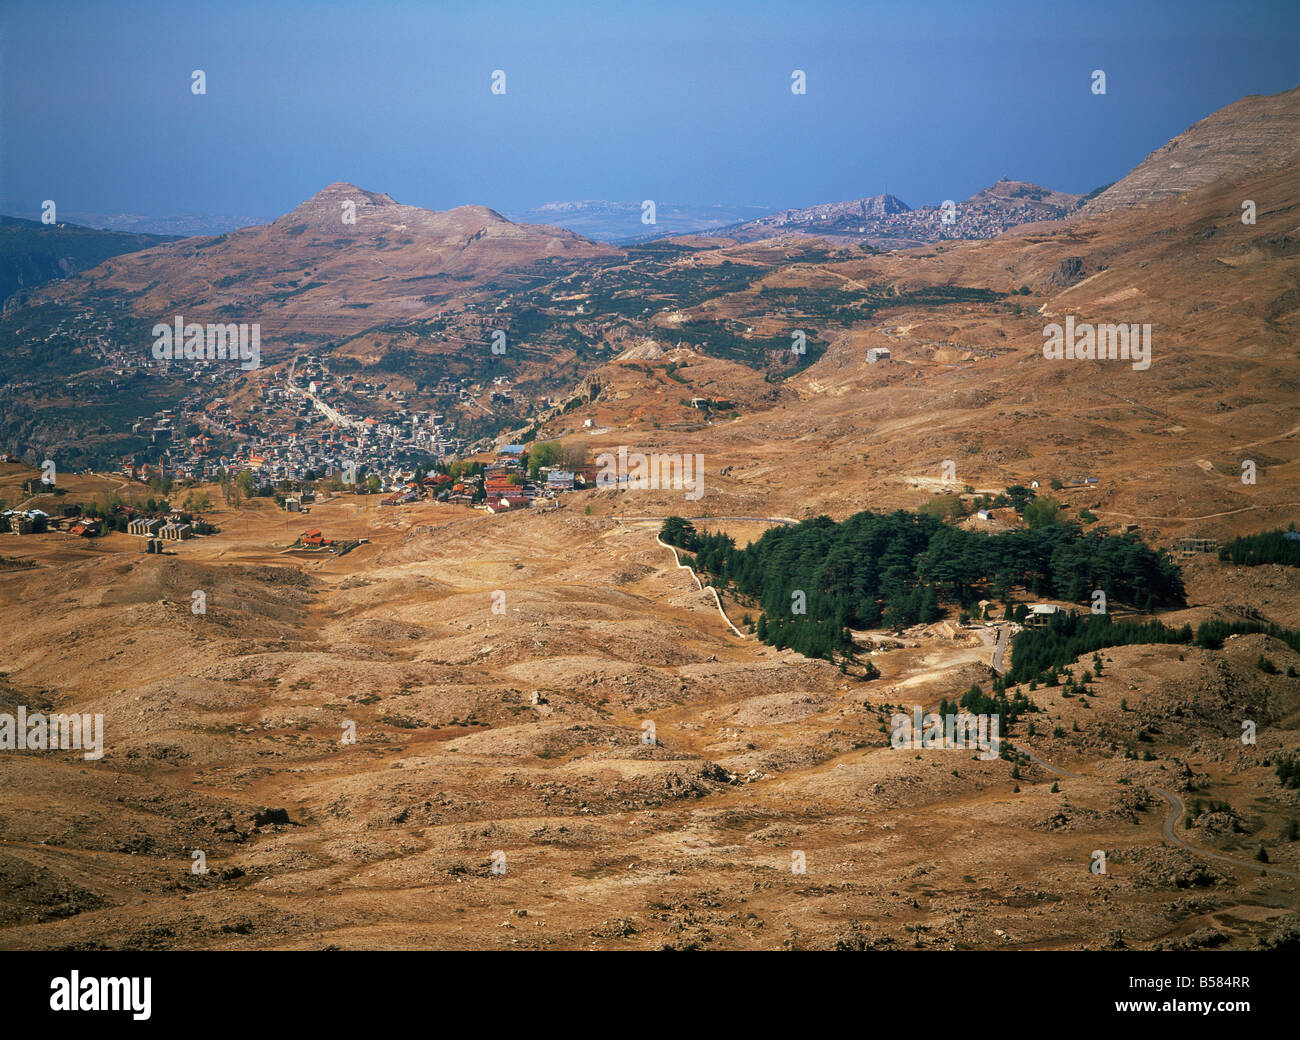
(501, 791)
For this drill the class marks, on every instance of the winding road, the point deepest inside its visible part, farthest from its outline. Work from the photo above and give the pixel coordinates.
(1176, 807)
(1176, 810)
(701, 586)
(1176, 813)
(1000, 648)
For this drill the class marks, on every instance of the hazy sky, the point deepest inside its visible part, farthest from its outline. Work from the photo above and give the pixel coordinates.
(677, 102)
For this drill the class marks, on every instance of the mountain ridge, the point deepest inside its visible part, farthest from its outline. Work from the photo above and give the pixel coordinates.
(1258, 130)
(328, 269)
(886, 221)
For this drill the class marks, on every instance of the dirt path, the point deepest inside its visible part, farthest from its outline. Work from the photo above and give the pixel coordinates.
(702, 587)
(1175, 814)
(1207, 516)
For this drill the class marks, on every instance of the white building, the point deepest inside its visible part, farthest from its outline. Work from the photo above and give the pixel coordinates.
(1041, 614)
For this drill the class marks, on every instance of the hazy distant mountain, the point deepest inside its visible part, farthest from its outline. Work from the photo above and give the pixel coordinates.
(32, 253)
(621, 221)
(887, 222)
(183, 225)
(313, 272)
(1251, 133)
(179, 225)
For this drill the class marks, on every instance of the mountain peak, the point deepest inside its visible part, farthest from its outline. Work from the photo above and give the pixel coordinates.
(481, 212)
(884, 204)
(333, 196)
(1007, 190)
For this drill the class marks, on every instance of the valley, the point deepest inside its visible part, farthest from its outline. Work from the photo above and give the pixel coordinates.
(513, 716)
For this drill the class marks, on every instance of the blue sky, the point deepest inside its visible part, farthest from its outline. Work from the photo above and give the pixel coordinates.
(679, 102)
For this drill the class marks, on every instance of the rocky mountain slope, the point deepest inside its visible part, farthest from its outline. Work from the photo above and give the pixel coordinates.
(32, 253)
(500, 791)
(886, 222)
(1257, 131)
(344, 261)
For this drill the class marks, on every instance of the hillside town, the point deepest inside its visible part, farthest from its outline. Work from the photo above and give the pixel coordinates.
(296, 428)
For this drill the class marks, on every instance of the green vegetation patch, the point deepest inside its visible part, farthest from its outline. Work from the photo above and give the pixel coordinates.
(816, 580)
(1266, 547)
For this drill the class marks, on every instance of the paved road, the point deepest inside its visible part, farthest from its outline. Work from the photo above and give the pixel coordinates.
(1176, 813)
(784, 521)
(1000, 648)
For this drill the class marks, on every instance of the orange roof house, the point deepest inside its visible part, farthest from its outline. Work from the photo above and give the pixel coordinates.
(315, 538)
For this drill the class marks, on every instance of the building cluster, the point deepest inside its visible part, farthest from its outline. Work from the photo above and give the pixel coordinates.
(38, 521)
(504, 485)
(170, 530)
(174, 527)
(25, 521)
(298, 428)
(968, 220)
(314, 539)
(886, 217)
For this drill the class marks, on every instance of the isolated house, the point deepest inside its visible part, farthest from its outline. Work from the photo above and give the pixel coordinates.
(877, 354)
(315, 539)
(1041, 614)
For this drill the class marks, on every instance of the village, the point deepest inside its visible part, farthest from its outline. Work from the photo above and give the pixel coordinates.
(155, 521)
(497, 482)
(297, 428)
(303, 422)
